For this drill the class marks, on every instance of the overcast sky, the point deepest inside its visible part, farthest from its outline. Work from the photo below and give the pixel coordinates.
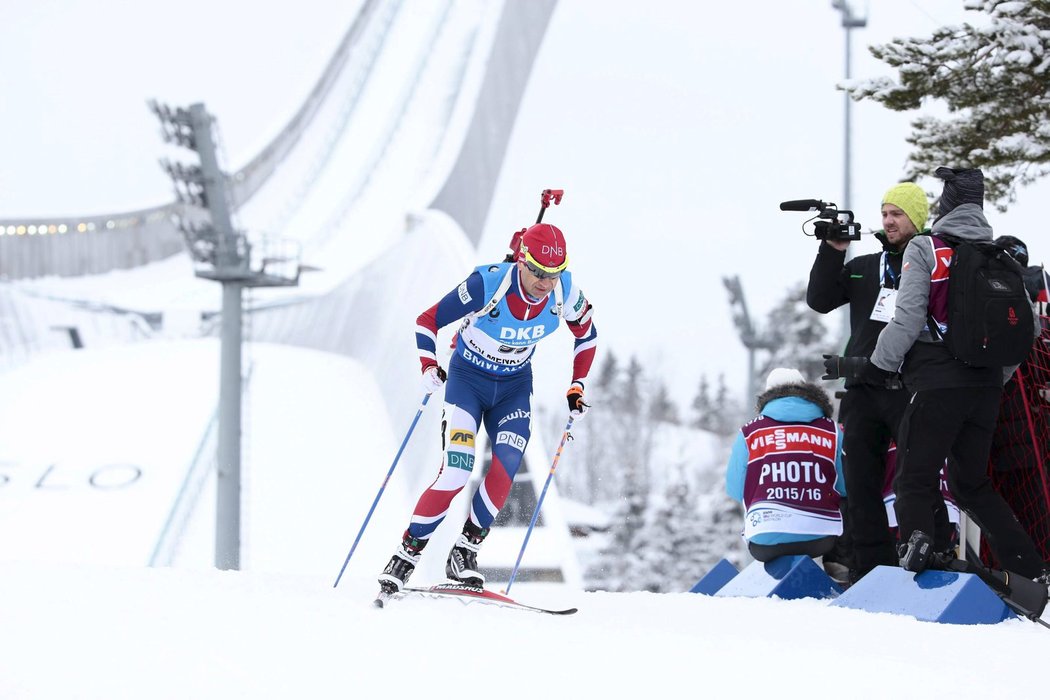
(677, 129)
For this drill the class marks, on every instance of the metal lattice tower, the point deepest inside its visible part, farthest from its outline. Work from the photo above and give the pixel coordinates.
(225, 255)
(749, 335)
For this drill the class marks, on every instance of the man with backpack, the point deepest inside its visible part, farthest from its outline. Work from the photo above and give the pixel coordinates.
(955, 344)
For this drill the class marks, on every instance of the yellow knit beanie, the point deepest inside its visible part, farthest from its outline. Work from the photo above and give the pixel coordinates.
(912, 201)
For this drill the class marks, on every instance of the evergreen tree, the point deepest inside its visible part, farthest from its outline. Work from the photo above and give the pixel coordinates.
(662, 408)
(722, 521)
(799, 335)
(631, 389)
(627, 435)
(593, 481)
(657, 539)
(725, 415)
(675, 541)
(649, 554)
(995, 80)
(702, 406)
(620, 558)
(608, 374)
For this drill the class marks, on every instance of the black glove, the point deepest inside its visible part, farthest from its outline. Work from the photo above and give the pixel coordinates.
(838, 367)
(872, 374)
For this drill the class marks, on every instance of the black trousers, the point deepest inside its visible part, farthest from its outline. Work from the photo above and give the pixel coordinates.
(957, 423)
(810, 548)
(870, 416)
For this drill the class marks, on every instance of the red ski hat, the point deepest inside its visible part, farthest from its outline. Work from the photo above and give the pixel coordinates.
(543, 250)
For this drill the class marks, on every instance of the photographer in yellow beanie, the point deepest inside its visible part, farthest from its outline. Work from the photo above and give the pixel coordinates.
(870, 413)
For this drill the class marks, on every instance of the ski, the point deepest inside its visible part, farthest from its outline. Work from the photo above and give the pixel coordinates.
(467, 594)
(382, 598)
(1024, 596)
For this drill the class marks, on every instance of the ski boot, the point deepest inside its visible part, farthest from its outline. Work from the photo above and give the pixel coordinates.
(401, 565)
(462, 564)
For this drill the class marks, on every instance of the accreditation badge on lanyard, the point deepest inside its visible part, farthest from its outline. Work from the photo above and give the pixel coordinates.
(886, 303)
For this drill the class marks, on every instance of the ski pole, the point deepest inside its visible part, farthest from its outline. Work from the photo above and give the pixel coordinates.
(536, 514)
(382, 488)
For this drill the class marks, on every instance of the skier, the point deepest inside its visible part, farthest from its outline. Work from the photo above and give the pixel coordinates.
(506, 309)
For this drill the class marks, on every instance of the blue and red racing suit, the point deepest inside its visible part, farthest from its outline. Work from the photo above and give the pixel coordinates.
(490, 381)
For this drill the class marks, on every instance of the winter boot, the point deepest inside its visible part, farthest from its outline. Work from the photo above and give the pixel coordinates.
(462, 564)
(402, 564)
(838, 573)
(915, 555)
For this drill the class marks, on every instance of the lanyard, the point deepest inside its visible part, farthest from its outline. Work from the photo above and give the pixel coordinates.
(885, 270)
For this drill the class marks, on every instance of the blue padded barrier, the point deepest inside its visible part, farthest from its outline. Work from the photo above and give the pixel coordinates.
(719, 575)
(932, 596)
(785, 577)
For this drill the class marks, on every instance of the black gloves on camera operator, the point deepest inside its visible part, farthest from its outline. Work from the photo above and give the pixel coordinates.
(860, 369)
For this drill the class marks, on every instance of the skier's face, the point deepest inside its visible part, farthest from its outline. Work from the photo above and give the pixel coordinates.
(535, 287)
(897, 225)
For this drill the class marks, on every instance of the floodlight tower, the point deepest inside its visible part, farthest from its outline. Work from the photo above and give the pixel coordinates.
(850, 21)
(222, 254)
(752, 339)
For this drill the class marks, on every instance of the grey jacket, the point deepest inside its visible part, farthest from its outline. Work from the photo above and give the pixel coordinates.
(908, 327)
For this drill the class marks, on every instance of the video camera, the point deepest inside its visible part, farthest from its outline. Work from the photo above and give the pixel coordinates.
(834, 225)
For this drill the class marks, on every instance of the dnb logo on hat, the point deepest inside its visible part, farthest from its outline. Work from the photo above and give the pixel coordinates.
(543, 250)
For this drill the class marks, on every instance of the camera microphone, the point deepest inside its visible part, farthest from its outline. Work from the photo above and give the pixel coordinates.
(834, 224)
(803, 205)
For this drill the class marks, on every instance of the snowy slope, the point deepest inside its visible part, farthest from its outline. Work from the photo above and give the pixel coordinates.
(114, 634)
(96, 444)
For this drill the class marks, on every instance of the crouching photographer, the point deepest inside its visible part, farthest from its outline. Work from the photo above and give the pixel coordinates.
(874, 401)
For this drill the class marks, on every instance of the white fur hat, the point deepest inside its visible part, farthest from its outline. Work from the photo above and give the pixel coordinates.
(783, 375)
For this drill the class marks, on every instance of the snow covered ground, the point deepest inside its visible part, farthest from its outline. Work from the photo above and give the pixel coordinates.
(85, 617)
(95, 446)
(111, 633)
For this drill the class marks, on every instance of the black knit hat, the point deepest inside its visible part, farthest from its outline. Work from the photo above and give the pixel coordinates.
(961, 186)
(1015, 247)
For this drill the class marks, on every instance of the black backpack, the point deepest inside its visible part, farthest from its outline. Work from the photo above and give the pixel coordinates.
(989, 316)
